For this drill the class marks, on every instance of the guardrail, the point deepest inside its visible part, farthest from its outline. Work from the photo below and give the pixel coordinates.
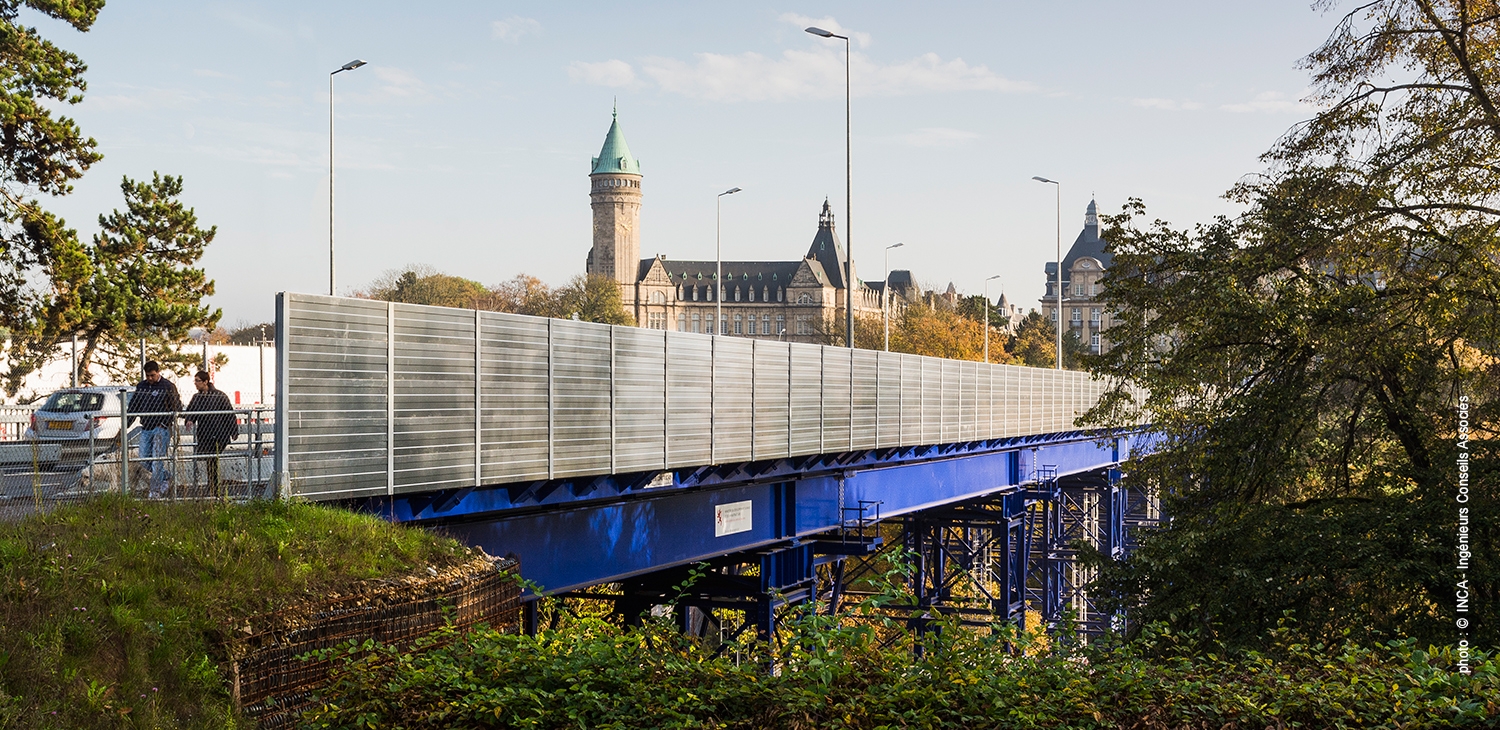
(166, 463)
(14, 420)
(377, 398)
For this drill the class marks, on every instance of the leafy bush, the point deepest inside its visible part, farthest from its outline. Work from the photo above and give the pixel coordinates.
(845, 673)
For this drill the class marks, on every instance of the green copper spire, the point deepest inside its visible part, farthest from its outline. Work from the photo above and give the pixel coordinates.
(615, 157)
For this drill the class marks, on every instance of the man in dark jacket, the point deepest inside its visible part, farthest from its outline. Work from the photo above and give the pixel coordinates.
(214, 425)
(158, 396)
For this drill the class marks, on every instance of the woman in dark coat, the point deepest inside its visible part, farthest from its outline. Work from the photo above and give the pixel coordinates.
(214, 428)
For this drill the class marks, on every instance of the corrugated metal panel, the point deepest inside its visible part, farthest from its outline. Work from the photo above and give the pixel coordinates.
(689, 399)
(968, 408)
(836, 369)
(807, 404)
(640, 399)
(930, 386)
(913, 412)
(581, 440)
(862, 418)
(733, 384)
(559, 398)
(952, 400)
(772, 404)
(434, 405)
(889, 428)
(513, 380)
(335, 404)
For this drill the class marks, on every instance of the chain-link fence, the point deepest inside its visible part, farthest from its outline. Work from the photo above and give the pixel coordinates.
(77, 447)
(272, 674)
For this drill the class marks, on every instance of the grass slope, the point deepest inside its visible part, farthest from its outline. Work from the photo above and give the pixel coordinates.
(111, 610)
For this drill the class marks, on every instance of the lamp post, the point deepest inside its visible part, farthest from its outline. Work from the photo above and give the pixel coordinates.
(719, 264)
(350, 66)
(885, 295)
(1059, 324)
(848, 195)
(987, 316)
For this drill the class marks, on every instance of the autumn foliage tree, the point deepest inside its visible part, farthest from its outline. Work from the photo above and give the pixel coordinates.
(1305, 361)
(590, 298)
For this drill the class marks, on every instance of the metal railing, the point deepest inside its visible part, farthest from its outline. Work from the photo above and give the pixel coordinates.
(14, 420)
(162, 463)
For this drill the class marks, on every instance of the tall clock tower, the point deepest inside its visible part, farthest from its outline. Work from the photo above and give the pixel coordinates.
(615, 195)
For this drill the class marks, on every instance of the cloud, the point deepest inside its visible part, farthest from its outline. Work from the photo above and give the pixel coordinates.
(796, 75)
(937, 137)
(1170, 105)
(1270, 102)
(399, 82)
(613, 73)
(514, 28)
(857, 38)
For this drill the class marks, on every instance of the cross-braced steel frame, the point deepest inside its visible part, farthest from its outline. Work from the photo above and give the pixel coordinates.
(980, 562)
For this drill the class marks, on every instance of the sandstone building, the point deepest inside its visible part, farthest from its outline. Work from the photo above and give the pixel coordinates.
(1083, 267)
(797, 300)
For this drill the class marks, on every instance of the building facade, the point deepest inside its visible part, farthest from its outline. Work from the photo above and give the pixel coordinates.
(1083, 268)
(799, 300)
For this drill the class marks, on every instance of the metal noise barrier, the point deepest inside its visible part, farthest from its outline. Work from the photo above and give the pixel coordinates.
(378, 398)
(269, 681)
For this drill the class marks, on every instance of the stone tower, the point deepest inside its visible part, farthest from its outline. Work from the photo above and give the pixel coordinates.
(615, 195)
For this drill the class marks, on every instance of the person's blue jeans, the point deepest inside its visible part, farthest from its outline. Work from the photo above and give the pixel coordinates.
(156, 443)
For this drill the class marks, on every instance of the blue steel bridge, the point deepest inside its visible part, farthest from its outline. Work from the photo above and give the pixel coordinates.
(601, 455)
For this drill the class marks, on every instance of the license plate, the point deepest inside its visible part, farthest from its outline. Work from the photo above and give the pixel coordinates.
(60, 425)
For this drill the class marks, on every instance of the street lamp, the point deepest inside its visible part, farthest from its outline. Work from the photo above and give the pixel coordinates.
(1059, 324)
(350, 66)
(848, 194)
(885, 295)
(987, 316)
(719, 264)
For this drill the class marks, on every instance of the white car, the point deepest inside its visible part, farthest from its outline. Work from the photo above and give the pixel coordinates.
(73, 414)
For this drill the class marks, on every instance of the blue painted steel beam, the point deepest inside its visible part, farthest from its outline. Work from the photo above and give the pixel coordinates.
(566, 493)
(572, 545)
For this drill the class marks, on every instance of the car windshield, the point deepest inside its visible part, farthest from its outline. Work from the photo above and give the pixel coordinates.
(73, 402)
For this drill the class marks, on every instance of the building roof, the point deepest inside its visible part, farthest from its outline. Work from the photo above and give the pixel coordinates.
(1087, 244)
(827, 249)
(774, 273)
(614, 156)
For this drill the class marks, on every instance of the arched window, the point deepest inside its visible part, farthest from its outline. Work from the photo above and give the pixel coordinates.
(765, 294)
(804, 298)
(780, 293)
(752, 293)
(750, 327)
(696, 324)
(781, 324)
(736, 294)
(682, 323)
(765, 323)
(658, 298)
(739, 324)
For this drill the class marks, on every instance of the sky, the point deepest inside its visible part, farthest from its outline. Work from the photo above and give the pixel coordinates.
(464, 144)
